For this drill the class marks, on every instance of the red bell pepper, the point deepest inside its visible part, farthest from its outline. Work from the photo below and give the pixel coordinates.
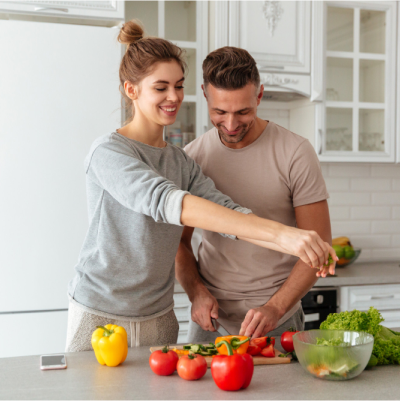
(233, 371)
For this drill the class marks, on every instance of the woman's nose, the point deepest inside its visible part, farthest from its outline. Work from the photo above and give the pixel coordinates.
(173, 95)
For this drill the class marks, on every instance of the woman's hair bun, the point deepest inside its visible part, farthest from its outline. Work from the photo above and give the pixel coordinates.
(131, 32)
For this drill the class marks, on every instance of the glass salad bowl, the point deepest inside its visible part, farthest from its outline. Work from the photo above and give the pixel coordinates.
(333, 354)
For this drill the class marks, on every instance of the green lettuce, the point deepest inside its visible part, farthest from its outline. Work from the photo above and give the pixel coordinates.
(387, 342)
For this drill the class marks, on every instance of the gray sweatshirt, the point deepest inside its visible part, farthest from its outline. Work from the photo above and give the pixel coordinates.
(135, 191)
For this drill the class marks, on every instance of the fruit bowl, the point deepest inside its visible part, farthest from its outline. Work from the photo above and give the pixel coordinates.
(343, 262)
(333, 354)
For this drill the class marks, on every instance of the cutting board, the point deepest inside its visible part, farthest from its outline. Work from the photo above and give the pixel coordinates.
(258, 360)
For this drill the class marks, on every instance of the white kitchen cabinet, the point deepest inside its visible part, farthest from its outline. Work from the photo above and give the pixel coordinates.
(276, 33)
(33, 333)
(110, 10)
(355, 120)
(184, 23)
(385, 298)
(182, 312)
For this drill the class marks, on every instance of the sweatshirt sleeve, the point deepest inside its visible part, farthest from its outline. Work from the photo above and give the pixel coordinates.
(204, 187)
(134, 184)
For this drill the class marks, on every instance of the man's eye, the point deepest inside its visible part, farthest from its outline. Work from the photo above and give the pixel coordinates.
(243, 114)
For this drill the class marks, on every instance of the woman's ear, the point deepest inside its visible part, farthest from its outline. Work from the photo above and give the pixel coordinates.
(131, 90)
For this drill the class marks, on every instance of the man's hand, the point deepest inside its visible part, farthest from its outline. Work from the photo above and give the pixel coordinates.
(259, 321)
(204, 307)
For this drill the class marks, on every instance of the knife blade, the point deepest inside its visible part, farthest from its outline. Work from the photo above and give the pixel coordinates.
(218, 326)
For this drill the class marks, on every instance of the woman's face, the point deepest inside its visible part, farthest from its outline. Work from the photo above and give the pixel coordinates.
(160, 94)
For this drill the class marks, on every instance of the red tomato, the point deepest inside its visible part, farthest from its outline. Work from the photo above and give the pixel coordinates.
(268, 351)
(253, 349)
(163, 362)
(191, 367)
(287, 340)
(259, 342)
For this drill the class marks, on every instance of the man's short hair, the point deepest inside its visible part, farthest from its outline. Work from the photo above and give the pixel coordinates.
(230, 68)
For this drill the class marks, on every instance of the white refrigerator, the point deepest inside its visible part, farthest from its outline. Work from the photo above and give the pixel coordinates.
(58, 92)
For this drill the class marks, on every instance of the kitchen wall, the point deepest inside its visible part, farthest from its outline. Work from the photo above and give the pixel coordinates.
(364, 201)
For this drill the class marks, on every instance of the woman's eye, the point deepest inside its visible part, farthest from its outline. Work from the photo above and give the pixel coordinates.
(179, 87)
(160, 89)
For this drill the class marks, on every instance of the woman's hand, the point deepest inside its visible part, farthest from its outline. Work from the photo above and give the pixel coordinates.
(309, 247)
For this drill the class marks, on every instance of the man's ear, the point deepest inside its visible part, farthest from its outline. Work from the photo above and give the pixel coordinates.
(204, 91)
(260, 94)
(131, 90)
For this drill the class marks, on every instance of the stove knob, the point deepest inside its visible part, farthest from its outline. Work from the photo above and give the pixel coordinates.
(320, 299)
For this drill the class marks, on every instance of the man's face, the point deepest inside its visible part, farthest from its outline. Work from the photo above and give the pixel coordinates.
(233, 112)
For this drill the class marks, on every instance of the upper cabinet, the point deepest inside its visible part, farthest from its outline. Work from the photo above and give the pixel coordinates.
(355, 120)
(276, 33)
(110, 10)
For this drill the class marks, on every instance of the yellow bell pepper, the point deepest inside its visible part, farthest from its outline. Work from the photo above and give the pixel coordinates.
(110, 344)
(239, 344)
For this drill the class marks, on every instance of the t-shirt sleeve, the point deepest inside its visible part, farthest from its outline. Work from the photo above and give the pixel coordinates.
(204, 187)
(306, 181)
(134, 184)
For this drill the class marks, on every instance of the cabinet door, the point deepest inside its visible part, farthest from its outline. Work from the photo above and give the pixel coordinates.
(113, 10)
(58, 94)
(33, 333)
(356, 121)
(276, 33)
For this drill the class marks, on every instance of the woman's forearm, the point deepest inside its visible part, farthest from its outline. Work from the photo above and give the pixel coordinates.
(201, 213)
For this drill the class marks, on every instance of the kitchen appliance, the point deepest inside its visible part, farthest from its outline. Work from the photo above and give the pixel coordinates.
(317, 304)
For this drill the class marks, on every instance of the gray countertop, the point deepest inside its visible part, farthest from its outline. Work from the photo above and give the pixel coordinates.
(363, 274)
(84, 378)
(355, 274)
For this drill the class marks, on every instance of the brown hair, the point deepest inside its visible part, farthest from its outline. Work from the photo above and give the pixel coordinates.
(141, 56)
(230, 68)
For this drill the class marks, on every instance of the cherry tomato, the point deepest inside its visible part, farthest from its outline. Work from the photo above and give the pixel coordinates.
(268, 351)
(191, 367)
(253, 350)
(163, 362)
(287, 340)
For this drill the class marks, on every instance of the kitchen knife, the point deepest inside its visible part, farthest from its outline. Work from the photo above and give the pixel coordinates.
(218, 326)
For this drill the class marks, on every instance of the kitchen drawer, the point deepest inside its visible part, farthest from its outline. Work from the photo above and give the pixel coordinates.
(181, 300)
(182, 313)
(392, 319)
(183, 331)
(362, 297)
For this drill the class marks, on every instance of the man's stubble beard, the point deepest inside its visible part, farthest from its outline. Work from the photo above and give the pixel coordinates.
(238, 137)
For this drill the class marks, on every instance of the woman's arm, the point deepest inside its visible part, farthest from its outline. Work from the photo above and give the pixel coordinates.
(307, 245)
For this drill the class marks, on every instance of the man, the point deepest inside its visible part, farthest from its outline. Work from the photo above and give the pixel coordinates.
(270, 170)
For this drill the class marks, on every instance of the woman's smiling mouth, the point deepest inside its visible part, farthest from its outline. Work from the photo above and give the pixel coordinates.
(169, 110)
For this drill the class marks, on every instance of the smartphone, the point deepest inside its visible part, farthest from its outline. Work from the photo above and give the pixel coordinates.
(49, 362)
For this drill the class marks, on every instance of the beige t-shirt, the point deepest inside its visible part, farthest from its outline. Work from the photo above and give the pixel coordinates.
(276, 173)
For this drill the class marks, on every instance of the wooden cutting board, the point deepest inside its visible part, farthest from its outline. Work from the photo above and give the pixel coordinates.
(258, 360)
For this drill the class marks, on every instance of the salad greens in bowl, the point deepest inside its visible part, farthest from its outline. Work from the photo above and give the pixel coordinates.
(333, 354)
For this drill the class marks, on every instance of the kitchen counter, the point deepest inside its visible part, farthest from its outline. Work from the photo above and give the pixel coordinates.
(374, 273)
(21, 378)
(363, 274)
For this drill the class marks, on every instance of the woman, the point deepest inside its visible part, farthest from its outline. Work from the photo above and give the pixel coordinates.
(141, 191)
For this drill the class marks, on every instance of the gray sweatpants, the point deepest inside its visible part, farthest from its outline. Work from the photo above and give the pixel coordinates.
(82, 323)
(197, 335)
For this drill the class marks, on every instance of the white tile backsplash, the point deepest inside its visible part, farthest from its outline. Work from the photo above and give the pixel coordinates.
(364, 205)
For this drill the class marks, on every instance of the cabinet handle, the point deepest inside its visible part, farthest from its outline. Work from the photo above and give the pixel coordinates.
(64, 10)
(320, 141)
(382, 296)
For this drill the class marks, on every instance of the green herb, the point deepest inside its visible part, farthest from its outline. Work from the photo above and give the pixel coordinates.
(333, 341)
(387, 342)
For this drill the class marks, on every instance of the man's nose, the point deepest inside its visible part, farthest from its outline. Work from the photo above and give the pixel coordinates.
(231, 123)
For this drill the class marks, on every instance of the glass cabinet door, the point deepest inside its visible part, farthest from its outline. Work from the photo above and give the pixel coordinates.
(359, 81)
